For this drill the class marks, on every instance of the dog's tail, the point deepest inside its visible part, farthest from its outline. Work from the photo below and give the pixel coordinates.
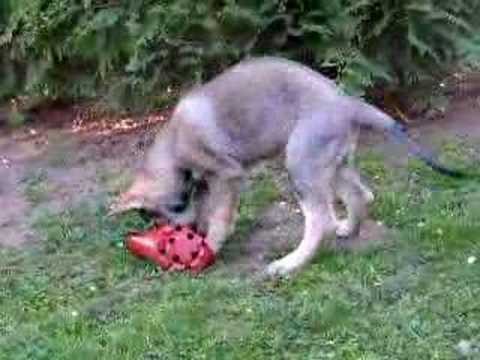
(369, 116)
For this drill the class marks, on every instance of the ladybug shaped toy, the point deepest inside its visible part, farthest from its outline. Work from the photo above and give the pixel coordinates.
(173, 248)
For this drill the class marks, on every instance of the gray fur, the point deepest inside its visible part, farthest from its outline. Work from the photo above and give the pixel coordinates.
(258, 109)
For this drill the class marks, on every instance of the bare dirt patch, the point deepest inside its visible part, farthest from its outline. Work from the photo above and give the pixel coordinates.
(462, 119)
(53, 164)
(280, 229)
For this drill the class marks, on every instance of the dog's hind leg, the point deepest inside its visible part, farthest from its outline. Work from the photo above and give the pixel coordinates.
(350, 172)
(317, 223)
(355, 196)
(313, 172)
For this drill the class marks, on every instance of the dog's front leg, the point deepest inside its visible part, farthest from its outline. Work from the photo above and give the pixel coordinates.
(222, 206)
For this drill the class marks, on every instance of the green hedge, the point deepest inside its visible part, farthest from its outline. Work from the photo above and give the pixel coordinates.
(129, 51)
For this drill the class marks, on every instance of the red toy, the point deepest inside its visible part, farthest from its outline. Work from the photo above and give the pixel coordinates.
(172, 248)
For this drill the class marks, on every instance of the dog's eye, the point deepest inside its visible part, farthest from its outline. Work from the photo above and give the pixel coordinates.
(147, 214)
(178, 208)
(184, 197)
(188, 175)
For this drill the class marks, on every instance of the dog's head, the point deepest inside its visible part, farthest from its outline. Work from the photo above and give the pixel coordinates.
(164, 195)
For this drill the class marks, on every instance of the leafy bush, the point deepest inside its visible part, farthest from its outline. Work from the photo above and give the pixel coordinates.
(131, 50)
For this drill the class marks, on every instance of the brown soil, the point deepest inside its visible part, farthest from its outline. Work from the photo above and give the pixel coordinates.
(77, 163)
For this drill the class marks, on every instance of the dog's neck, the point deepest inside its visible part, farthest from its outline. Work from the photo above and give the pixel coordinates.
(160, 158)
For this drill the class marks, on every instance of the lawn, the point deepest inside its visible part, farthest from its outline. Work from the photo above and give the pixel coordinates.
(78, 295)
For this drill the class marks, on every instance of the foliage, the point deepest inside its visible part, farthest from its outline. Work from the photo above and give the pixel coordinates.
(122, 48)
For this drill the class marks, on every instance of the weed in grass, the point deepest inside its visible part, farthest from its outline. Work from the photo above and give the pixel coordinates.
(263, 192)
(37, 187)
(114, 180)
(59, 158)
(16, 119)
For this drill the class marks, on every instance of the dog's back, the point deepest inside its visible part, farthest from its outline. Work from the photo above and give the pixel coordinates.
(272, 92)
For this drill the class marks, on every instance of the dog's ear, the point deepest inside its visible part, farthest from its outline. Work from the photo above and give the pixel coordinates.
(134, 197)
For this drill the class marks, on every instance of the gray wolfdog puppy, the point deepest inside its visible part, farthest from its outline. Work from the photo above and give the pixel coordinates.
(255, 110)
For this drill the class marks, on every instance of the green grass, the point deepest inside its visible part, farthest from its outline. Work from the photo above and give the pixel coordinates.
(78, 295)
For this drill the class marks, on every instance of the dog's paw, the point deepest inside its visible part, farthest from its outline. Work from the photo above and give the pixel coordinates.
(280, 268)
(369, 196)
(344, 229)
